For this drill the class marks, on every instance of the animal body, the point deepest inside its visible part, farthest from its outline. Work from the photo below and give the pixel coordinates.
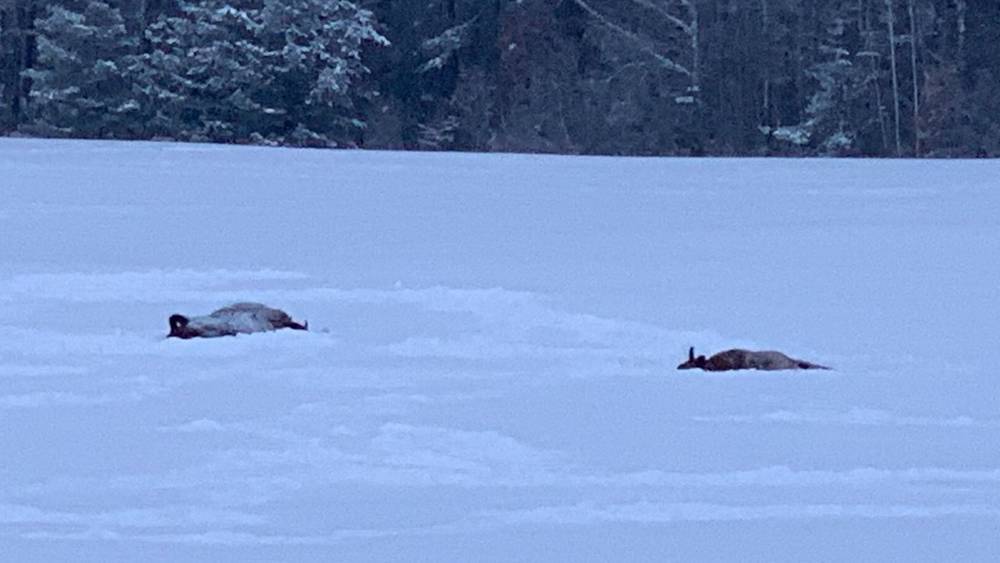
(239, 318)
(746, 359)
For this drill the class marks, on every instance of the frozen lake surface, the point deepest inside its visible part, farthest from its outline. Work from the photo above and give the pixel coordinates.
(490, 372)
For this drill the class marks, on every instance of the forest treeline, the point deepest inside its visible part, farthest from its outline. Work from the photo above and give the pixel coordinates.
(636, 77)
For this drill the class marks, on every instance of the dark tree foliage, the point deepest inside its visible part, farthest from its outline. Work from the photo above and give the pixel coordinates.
(642, 77)
(79, 85)
(18, 52)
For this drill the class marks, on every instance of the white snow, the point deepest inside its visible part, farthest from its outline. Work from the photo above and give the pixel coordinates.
(490, 374)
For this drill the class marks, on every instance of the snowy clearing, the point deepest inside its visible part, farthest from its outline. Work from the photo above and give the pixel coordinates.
(490, 372)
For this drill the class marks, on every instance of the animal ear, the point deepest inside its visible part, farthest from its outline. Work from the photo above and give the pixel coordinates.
(691, 354)
(178, 322)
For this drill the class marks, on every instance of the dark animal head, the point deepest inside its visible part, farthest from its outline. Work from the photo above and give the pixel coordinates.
(693, 362)
(179, 327)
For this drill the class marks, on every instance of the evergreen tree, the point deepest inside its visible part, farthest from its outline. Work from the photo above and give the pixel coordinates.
(960, 122)
(18, 51)
(443, 57)
(204, 71)
(78, 86)
(836, 120)
(287, 71)
(871, 77)
(318, 79)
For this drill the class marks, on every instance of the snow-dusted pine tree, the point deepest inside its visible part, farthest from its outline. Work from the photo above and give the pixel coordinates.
(834, 120)
(285, 71)
(319, 77)
(204, 71)
(78, 87)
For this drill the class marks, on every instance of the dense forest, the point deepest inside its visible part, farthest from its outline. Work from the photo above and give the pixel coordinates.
(637, 77)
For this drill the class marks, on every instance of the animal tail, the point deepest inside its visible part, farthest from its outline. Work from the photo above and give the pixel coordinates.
(297, 326)
(809, 365)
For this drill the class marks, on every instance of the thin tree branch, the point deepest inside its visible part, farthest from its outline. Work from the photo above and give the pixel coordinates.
(642, 44)
(686, 27)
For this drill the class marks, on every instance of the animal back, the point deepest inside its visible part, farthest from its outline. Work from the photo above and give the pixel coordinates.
(728, 360)
(767, 360)
(250, 317)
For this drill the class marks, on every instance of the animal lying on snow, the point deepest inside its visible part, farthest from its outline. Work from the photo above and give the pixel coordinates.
(238, 318)
(746, 359)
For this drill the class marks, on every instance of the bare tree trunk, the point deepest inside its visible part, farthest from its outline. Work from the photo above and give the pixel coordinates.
(696, 46)
(765, 22)
(895, 74)
(694, 28)
(880, 103)
(649, 46)
(868, 33)
(960, 8)
(913, 70)
(21, 48)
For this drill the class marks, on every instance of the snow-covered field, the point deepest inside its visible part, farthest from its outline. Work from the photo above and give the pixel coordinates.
(490, 374)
